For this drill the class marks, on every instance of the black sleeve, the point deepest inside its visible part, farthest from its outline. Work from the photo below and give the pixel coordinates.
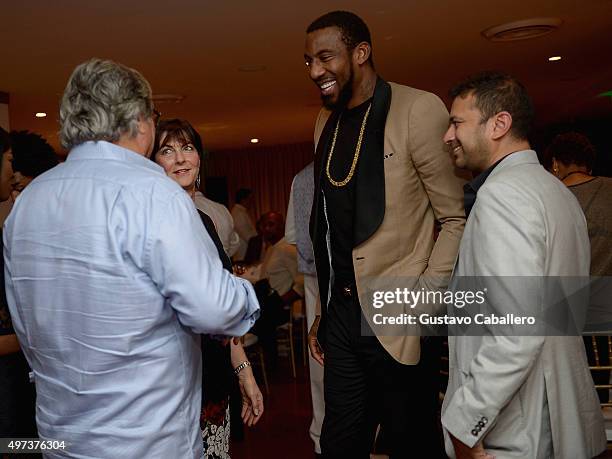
(212, 232)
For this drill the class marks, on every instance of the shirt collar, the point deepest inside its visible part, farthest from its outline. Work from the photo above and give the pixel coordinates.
(470, 189)
(101, 149)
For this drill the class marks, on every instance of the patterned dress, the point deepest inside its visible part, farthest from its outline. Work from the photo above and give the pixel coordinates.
(217, 377)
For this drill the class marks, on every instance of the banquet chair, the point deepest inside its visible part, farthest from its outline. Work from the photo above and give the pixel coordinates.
(601, 354)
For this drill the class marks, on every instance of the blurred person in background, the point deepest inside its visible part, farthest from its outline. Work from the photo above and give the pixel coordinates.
(6, 173)
(296, 233)
(242, 220)
(32, 156)
(572, 157)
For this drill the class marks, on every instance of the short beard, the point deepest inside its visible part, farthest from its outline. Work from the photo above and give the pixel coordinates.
(346, 93)
(478, 156)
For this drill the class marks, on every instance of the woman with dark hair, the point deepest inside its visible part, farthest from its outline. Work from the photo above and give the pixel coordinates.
(178, 149)
(32, 156)
(572, 156)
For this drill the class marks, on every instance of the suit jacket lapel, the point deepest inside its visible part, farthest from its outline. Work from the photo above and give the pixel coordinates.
(370, 187)
(319, 163)
(318, 223)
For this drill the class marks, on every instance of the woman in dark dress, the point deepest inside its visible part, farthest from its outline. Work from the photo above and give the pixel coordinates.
(178, 149)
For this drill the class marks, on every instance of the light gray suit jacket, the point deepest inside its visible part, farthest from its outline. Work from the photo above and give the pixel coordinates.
(523, 396)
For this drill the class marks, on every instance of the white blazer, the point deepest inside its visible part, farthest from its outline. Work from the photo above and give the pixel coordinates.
(523, 396)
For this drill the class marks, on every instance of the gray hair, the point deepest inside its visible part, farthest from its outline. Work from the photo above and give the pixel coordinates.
(102, 101)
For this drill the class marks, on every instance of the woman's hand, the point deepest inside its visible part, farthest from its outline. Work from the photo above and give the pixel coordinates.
(252, 400)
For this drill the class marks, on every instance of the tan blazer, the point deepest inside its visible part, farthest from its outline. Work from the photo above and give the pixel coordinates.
(420, 186)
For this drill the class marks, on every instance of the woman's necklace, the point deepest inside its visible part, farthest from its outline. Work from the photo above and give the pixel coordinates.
(355, 156)
(586, 178)
(573, 173)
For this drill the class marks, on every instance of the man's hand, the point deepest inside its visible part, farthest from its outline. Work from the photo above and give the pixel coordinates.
(462, 451)
(313, 343)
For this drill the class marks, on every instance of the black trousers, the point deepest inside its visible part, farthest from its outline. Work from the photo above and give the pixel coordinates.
(365, 387)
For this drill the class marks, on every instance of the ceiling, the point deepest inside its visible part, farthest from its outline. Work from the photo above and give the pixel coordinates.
(195, 48)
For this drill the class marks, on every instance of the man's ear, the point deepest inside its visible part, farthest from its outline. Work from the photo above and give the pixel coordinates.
(362, 52)
(142, 126)
(502, 122)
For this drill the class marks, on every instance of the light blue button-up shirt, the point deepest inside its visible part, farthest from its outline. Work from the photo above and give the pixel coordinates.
(110, 279)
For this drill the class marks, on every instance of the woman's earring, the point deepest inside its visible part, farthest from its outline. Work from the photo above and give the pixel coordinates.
(197, 182)
(555, 169)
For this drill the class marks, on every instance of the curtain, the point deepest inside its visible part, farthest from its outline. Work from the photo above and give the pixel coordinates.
(268, 171)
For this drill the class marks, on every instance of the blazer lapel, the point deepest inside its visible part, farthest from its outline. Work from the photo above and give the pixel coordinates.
(319, 161)
(370, 189)
(318, 222)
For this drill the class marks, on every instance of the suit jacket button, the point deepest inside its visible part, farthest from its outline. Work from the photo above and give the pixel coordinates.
(481, 424)
(475, 432)
(485, 420)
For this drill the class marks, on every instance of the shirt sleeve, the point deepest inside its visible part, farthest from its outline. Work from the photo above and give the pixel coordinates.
(290, 261)
(243, 225)
(443, 185)
(233, 242)
(290, 235)
(182, 260)
(229, 238)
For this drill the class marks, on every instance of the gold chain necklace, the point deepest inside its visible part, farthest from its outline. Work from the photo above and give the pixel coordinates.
(355, 156)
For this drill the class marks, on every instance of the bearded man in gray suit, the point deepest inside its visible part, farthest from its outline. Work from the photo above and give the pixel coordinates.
(515, 396)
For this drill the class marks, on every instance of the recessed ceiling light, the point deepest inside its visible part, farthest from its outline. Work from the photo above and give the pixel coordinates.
(554, 58)
(254, 140)
(522, 30)
(40, 115)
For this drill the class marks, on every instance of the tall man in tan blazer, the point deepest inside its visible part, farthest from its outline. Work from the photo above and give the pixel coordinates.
(382, 178)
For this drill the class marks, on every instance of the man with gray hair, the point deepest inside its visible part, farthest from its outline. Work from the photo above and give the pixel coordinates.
(110, 280)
